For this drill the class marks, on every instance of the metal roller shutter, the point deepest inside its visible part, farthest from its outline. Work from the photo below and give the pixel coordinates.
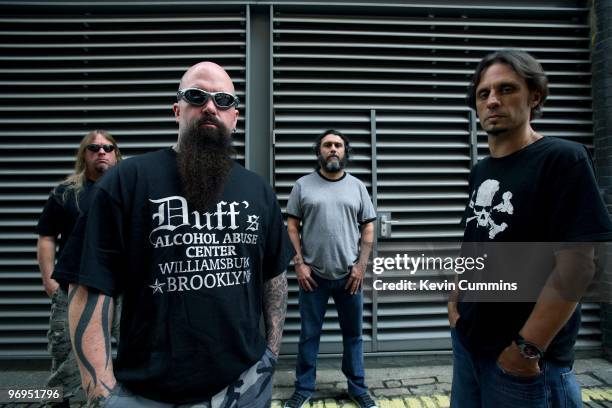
(64, 71)
(395, 80)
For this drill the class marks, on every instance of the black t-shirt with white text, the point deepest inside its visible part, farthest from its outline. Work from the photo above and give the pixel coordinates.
(192, 282)
(545, 192)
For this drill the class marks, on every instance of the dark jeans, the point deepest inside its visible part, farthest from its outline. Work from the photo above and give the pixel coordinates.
(480, 382)
(312, 312)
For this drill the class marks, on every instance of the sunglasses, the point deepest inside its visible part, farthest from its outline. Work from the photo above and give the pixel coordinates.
(95, 148)
(198, 97)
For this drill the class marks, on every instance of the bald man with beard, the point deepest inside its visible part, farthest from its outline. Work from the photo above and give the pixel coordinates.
(197, 246)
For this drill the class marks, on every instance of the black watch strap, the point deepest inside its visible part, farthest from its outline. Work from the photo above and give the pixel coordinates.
(528, 350)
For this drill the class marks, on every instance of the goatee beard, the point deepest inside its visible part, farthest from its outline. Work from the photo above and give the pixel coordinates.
(333, 166)
(204, 161)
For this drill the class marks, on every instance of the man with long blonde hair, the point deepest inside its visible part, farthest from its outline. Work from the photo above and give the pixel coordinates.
(97, 153)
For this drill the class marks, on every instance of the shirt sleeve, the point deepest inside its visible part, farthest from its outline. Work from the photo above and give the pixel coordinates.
(50, 218)
(278, 247)
(103, 246)
(578, 211)
(294, 209)
(367, 214)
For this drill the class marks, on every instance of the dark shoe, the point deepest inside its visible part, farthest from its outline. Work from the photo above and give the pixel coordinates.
(296, 401)
(364, 401)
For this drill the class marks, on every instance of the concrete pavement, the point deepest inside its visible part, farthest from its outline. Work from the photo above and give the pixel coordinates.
(423, 384)
(395, 382)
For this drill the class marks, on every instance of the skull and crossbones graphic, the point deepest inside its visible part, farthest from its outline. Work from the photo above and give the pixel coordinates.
(483, 207)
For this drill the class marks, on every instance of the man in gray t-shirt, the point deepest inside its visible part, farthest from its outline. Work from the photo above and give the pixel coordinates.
(337, 217)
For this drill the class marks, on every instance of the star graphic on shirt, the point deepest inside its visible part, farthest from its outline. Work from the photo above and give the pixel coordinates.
(253, 221)
(157, 287)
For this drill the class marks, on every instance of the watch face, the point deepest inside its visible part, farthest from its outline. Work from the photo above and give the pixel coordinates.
(529, 351)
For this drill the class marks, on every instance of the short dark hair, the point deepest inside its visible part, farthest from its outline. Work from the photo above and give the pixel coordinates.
(523, 64)
(317, 144)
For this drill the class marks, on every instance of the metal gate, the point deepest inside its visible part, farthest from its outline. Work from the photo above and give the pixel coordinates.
(65, 71)
(395, 83)
(391, 76)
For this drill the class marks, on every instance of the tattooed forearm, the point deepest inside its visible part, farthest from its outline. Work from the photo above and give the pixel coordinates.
(90, 316)
(79, 334)
(71, 292)
(106, 306)
(275, 310)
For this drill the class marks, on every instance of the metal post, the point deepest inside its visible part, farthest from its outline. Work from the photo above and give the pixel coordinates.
(258, 124)
(375, 247)
(473, 138)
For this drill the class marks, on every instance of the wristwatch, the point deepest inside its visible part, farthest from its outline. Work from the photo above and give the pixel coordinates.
(528, 350)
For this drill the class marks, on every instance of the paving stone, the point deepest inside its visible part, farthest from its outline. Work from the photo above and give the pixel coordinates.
(586, 380)
(443, 388)
(428, 402)
(593, 404)
(375, 384)
(590, 364)
(327, 393)
(443, 401)
(390, 403)
(390, 392)
(604, 375)
(282, 393)
(423, 389)
(596, 394)
(418, 381)
(413, 402)
(331, 403)
(446, 378)
(392, 384)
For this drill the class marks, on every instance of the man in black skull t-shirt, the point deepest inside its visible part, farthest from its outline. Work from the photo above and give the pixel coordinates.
(531, 189)
(198, 248)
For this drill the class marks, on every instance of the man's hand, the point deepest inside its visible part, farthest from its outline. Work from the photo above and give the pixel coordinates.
(353, 284)
(51, 286)
(453, 314)
(96, 397)
(304, 277)
(45, 254)
(512, 362)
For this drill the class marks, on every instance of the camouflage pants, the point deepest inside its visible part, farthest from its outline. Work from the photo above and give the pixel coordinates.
(64, 370)
(253, 389)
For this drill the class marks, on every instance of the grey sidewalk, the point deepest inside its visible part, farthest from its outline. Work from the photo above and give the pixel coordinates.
(397, 382)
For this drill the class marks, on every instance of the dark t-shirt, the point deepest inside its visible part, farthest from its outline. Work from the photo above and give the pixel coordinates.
(191, 281)
(61, 212)
(546, 192)
(69, 261)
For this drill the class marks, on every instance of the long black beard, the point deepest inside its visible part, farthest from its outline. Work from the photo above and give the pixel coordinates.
(204, 161)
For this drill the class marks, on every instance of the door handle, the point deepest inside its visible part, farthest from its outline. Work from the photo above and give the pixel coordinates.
(385, 224)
